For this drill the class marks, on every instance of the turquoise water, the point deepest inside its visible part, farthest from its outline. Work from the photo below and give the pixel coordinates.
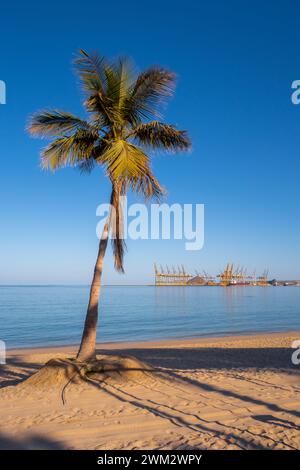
(39, 316)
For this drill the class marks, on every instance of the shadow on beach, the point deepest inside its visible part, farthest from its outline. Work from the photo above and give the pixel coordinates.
(194, 358)
(34, 442)
(16, 370)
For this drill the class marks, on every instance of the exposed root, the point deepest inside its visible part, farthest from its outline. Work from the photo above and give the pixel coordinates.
(58, 374)
(117, 368)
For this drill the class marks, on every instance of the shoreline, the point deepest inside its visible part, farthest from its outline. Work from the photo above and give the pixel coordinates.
(154, 343)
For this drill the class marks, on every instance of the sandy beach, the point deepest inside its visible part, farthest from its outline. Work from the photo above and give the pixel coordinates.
(217, 393)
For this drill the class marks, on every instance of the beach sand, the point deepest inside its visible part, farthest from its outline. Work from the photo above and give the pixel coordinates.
(218, 393)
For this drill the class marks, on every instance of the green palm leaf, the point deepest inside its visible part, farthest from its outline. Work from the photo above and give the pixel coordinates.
(149, 93)
(68, 150)
(158, 135)
(54, 123)
(124, 160)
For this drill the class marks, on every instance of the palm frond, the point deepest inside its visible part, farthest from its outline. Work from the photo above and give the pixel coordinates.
(124, 160)
(148, 94)
(147, 186)
(128, 163)
(87, 165)
(91, 70)
(158, 135)
(54, 123)
(119, 80)
(68, 150)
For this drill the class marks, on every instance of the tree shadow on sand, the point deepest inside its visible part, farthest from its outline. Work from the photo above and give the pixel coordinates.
(33, 442)
(13, 377)
(194, 358)
(210, 428)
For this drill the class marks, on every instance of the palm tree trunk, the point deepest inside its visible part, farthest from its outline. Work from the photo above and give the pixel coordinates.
(87, 350)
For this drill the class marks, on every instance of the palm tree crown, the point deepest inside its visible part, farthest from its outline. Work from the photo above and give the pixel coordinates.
(123, 123)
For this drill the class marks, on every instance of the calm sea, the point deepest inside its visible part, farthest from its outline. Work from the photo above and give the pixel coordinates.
(39, 316)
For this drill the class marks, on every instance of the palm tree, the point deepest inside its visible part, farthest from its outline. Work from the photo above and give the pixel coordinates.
(121, 108)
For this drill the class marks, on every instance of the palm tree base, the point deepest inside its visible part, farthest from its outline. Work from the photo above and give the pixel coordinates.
(58, 374)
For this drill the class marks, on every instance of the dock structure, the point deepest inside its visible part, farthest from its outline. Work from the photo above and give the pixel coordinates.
(230, 276)
(238, 276)
(171, 277)
(263, 279)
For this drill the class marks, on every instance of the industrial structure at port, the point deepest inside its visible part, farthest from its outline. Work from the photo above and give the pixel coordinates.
(231, 276)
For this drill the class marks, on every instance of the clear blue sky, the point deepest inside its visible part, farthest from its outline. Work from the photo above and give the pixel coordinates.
(235, 61)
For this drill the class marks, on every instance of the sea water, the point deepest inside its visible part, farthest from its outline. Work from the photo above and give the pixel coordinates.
(53, 315)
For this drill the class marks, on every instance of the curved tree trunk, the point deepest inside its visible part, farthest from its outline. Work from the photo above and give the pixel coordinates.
(87, 350)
